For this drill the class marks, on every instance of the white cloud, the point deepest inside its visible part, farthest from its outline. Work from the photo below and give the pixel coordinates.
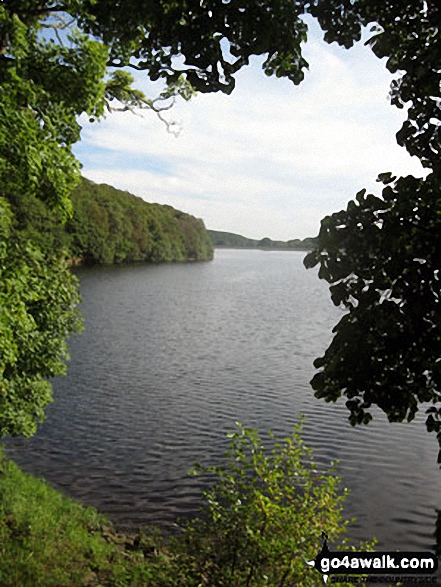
(269, 160)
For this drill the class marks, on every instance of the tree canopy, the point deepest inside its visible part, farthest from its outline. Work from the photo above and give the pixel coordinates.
(382, 255)
(60, 59)
(207, 41)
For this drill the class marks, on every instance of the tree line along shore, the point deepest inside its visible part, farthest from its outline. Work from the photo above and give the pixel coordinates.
(109, 226)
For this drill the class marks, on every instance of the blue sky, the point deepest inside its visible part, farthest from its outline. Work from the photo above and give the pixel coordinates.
(272, 158)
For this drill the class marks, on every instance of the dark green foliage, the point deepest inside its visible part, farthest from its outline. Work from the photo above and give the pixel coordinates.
(382, 256)
(407, 34)
(215, 39)
(38, 223)
(231, 240)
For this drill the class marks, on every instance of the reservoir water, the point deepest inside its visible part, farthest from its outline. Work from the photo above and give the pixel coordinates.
(173, 355)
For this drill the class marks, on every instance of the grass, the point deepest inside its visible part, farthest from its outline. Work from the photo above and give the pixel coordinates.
(49, 540)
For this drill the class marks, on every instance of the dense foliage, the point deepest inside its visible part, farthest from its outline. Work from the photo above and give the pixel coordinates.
(229, 239)
(37, 312)
(207, 41)
(265, 514)
(111, 226)
(43, 87)
(382, 256)
(387, 348)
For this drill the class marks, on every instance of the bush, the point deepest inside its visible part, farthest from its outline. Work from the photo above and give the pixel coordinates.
(265, 515)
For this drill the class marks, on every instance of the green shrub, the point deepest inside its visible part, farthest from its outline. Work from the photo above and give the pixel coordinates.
(264, 518)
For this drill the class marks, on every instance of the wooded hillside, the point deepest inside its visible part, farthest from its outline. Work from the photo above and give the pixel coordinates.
(112, 226)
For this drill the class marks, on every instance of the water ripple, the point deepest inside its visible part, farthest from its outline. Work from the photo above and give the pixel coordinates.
(173, 355)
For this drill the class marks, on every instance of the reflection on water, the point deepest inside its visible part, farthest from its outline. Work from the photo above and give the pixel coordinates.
(173, 355)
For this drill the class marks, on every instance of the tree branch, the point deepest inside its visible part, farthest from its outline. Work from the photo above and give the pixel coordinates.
(60, 26)
(132, 65)
(172, 127)
(47, 9)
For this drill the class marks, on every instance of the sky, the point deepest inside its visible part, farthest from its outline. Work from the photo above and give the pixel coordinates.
(270, 160)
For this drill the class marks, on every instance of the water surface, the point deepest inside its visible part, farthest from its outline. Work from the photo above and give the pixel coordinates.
(173, 355)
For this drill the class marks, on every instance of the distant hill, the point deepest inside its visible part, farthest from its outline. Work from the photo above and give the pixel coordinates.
(233, 241)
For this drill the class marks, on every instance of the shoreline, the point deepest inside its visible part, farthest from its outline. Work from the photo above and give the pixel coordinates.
(290, 249)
